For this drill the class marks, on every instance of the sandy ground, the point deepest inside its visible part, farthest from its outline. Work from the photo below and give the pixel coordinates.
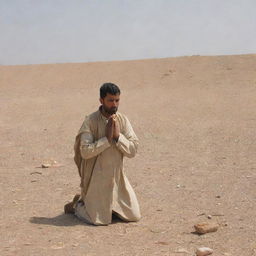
(196, 120)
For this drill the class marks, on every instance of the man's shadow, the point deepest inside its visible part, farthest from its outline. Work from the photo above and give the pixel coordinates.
(59, 220)
(67, 220)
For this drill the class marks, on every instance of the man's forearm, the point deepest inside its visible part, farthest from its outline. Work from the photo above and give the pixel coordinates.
(126, 146)
(89, 150)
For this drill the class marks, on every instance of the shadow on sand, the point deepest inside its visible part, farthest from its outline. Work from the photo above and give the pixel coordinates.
(66, 220)
(60, 220)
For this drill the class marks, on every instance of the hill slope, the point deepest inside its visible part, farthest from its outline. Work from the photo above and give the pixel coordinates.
(196, 120)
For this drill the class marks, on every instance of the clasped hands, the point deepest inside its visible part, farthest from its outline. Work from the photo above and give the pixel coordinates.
(112, 129)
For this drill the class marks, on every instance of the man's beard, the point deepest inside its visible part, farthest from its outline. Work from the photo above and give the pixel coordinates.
(110, 111)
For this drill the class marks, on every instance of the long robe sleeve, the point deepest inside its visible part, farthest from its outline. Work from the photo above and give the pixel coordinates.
(90, 148)
(127, 142)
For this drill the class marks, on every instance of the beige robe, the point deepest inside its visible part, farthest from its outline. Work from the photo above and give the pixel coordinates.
(104, 186)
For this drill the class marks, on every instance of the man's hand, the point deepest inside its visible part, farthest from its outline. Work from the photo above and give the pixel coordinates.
(110, 129)
(116, 132)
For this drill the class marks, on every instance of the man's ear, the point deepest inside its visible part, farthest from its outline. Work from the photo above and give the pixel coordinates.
(101, 100)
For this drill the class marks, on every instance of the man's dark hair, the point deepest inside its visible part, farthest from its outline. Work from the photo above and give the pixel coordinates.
(109, 88)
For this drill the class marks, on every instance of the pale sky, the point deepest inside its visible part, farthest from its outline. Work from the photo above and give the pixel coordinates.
(60, 31)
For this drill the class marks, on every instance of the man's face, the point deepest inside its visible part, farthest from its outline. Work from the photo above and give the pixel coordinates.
(110, 103)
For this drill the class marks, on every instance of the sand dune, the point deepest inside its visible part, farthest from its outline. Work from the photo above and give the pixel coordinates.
(196, 120)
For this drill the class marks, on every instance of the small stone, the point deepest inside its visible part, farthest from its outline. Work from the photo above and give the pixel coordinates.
(36, 172)
(218, 196)
(158, 230)
(204, 251)
(178, 186)
(50, 164)
(209, 216)
(46, 165)
(58, 246)
(182, 250)
(161, 243)
(206, 227)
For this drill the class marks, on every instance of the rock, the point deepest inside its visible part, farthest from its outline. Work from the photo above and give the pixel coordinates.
(46, 165)
(203, 251)
(206, 227)
(58, 246)
(36, 172)
(162, 243)
(209, 216)
(50, 164)
(182, 250)
(158, 230)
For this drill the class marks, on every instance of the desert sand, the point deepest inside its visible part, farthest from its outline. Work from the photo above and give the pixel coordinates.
(196, 120)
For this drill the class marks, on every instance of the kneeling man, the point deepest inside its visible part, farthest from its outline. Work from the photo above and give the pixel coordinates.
(106, 136)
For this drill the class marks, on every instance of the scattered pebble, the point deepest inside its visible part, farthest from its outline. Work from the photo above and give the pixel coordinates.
(46, 165)
(36, 173)
(162, 243)
(204, 251)
(206, 227)
(209, 216)
(57, 246)
(158, 230)
(50, 164)
(182, 250)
